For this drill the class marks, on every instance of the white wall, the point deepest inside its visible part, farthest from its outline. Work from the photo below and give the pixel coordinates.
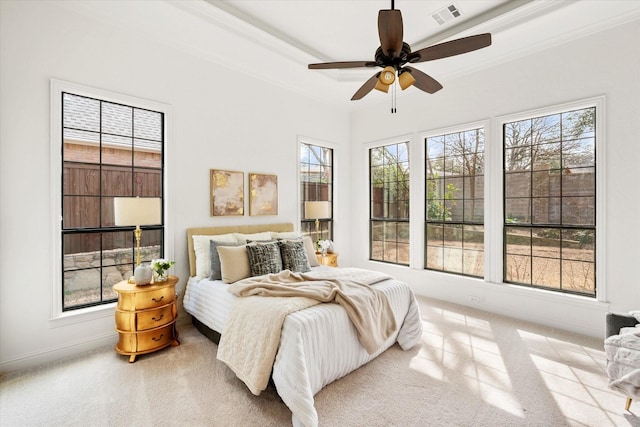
(600, 64)
(220, 119)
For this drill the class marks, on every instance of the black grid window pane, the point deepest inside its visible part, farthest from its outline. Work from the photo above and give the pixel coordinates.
(389, 203)
(550, 198)
(547, 156)
(98, 152)
(517, 158)
(316, 184)
(454, 202)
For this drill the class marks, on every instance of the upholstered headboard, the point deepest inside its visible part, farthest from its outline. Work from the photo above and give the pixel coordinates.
(212, 231)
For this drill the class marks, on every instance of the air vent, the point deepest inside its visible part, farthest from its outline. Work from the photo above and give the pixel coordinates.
(446, 14)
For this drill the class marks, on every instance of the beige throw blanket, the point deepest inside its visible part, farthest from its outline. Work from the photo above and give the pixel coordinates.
(252, 333)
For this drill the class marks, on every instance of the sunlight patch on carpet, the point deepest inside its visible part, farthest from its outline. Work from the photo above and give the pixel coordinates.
(572, 376)
(465, 354)
(426, 366)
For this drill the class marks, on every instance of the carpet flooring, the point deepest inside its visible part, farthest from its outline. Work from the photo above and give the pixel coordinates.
(472, 368)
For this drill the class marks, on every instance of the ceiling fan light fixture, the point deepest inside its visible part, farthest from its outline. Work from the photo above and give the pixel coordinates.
(388, 75)
(406, 79)
(393, 54)
(381, 86)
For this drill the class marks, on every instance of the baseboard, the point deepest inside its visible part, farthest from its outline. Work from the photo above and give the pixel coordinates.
(48, 355)
(560, 311)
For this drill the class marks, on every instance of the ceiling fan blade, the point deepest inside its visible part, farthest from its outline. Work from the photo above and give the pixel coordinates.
(345, 64)
(366, 87)
(390, 32)
(424, 81)
(452, 48)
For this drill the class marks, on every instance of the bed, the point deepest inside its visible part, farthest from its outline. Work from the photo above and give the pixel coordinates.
(317, 345)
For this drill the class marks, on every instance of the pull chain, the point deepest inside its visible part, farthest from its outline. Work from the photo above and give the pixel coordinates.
(393, 99)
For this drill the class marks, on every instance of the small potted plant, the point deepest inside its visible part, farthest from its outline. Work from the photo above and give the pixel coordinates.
(160, 267)
(324, 246)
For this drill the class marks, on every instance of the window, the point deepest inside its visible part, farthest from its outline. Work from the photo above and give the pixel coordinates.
(454, 199)
(108, 150)
(389, 203)
(549, 168)
(316, 184)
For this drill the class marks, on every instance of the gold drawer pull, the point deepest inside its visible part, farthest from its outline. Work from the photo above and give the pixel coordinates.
(159, 318)
(157, 300)
(156, 340)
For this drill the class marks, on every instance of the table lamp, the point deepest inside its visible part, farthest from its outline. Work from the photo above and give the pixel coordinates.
(316, 210)
(137, 211)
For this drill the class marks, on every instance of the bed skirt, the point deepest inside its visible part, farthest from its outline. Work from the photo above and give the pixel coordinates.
(206, 331)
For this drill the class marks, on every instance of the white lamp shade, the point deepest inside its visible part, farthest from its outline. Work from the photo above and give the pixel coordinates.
(137, 210)
(315, 210)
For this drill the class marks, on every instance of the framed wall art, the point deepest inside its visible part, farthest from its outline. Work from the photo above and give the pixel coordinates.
(227, 193)
(263, 194)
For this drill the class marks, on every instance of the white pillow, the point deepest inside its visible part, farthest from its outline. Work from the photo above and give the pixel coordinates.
(286, 235)
(201, 248)
(309, 247)
(234, 263)
(242, 238)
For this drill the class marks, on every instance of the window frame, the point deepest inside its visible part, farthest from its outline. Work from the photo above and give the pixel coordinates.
(410, 143)
(498, 263)
(326, 223)
(493, 202)
(484, 126)
(59, 317)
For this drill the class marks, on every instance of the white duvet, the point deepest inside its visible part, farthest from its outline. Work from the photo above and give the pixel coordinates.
(318, 345)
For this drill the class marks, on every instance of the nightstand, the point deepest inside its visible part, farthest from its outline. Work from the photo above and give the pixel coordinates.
(330, 260)
(146, 317)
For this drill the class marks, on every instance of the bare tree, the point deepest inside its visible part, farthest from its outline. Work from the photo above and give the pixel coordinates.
(462, 160)
(548, 142)
(390, 167)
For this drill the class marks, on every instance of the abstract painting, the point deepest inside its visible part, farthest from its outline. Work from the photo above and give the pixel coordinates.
(227, 193)
(263, 194)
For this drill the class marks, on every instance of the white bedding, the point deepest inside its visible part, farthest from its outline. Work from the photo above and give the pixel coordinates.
(209, 302)
(318, 345)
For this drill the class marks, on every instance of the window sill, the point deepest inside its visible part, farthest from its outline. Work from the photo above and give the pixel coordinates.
(548, 295)
(506, 289)
(82, 315)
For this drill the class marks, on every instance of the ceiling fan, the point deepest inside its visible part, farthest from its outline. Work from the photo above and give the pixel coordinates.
(394, 53)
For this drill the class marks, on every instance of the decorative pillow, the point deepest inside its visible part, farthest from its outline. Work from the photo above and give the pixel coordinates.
(311, 251)
(294, 256)
(241, 237)
(214, 267)
(264, 259)
(234, 263)
(201, 248)
(291, 235)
